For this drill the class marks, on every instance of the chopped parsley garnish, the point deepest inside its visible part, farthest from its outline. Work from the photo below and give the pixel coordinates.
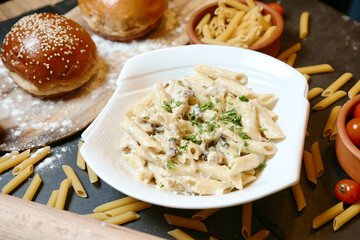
(214, 117)
(167, 107)
(193, 139)
(205, 87)
(208, 105)
(180, 83)
(246, 144)
(243, 98)
(194, 120)
(172, 139)
(262, 129)
(217, 100)
(244, 135)
(231, 103)
(170, 164)
(154, 138)
(262, 166)
(162, 185)
(232, 116)
(237, 155)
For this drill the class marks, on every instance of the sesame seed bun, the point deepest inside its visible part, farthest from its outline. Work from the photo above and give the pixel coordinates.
(122, 20)
(49, 55)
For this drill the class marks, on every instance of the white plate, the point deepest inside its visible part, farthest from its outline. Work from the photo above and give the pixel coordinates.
(266, 75)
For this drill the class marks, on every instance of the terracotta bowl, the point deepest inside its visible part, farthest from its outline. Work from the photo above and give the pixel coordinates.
(270, 46)
(347, 153)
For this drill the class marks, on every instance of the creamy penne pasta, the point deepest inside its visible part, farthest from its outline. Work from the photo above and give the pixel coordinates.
(205, 134)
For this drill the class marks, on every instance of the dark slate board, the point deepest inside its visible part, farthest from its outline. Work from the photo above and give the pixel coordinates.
(333, 39)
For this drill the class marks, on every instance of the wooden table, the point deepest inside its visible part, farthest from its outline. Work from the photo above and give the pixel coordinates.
(333, 39)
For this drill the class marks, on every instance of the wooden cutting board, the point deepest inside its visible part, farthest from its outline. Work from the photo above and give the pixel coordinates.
(29, 122)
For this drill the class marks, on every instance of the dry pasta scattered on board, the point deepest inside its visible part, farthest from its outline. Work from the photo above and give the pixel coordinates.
(17, 180)
(304, 24)
(123, 218)
(309, 167)
(331, 121)
(235, 24)
(329, 100)
(291, 50)
(185, 222)
(299, 196)
(320, 68)
(337, 84)
(205, 109)
(34, 185)
(316, 156)
(75, 182)
(329, 214)
(246, 220)
(179, 235)
(346, 215)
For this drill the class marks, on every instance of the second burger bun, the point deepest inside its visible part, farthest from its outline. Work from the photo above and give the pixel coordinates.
(122, 20)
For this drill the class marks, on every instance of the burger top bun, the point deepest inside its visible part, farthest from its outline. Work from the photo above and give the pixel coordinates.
(122, 20)
(48, 54)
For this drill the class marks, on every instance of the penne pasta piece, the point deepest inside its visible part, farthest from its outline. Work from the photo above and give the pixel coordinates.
(185, 222)
(123, 218)
(251, 4)
(135, 207)
(309, 167)
(114, 204)
(32, 160)
(92, 175)
(337, 84)
(331, 121)
(299, 196)
(52, 199)
(236, 4)
(246, 220)
(34, 185)
(268, 33)
(329, 214)
(316, 156)
(8, 156)
(230, 29)
(334, 133)
(314, 69)
(260, 235)
(293, 49)
(214, 42)
(207, 32)
(80, 162)
(98, 215)
(304, 25)
(291, 59)
(307, 76)
(329, 100)
(354, 90)
(17, 180)
(204, 214)
(179, 235)
(346, 215)
(75, 182)
(203, 21)
(314, 92)
(14, 160)
(63, 191)
(215, 73)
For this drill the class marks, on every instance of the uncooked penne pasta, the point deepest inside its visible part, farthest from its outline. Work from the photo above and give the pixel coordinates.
(8, 156)
(314, 69)
(329, 214)
(337, 84)
(80, 162)
(293, 49)
(179, 235)
(185, 222)
(14, 160)
(34, 158)
(123, 218)
(346, 215)
(251, 4)
(268, 33)
(334, 133)
(329, 100)
(204, 214)
(236, 4)
(52, 199)
(114, 204)
(135, 207)
(203, 21)
(260, 235)
(34, 185)
(75, 182)
(92, 175)
(304, 25)
(225, 35)
(214, 42)
(354, 90)
(331, 121)
(246, 220)
(314, 92)
(307, 76)
(316, 156)
(63, 192)
(17, 180)
(309, 167)
(291, 59)
(98, 215)
(299, 196)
